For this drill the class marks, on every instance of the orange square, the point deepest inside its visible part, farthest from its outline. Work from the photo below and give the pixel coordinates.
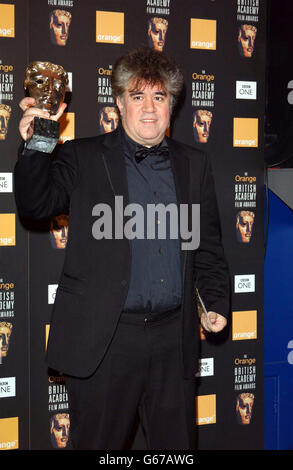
(8, 433)
(245, 132)
(7, 16)
(110, 27)
(67, 127)
(47, 331)
(7, 229)
(205, 409)
(203, 34)
(244, 325)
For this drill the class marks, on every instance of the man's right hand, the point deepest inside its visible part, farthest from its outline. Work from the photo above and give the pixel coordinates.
(25, 125)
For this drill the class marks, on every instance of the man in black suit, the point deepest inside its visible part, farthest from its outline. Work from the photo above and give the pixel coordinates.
(124, 327)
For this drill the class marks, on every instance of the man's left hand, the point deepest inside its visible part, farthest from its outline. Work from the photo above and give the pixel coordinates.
(214, 323)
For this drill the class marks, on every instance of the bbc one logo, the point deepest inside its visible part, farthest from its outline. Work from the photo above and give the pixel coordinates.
(5, 182)
(244, 283)
(7, 387)
(7, 16)
(246, 90)
(203, 34)
(110, 27)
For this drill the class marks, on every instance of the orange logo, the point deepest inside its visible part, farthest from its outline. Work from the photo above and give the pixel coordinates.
(244, 325)
(203, 34)
(245, 132)
(8, 433)
(110, 27)
(67, 127)
(205, 409)
(7, 21)
(7, 229)
(47, 331)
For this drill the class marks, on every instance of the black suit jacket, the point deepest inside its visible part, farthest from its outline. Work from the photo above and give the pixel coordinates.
(96, 273)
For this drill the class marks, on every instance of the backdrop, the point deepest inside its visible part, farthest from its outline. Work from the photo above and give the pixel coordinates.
(220, 46)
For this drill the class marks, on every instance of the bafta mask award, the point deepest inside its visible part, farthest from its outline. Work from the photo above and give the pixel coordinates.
(46, 83)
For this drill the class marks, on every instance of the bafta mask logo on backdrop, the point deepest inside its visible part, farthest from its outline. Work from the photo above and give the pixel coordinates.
(202, 120)
(5, 334)
(246, 39)
(244, 226)
(244, 405)
(59, 430)
(108, 119)
(59, 231)
(157, 30)
(59, 24)
(5, 113)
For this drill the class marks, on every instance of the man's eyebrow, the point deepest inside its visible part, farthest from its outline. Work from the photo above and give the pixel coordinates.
(139, 92)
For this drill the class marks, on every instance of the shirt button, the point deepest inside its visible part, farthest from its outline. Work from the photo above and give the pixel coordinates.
(124, 282)
(161, 280)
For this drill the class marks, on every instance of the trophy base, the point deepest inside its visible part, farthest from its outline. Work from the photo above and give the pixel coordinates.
(45, 136)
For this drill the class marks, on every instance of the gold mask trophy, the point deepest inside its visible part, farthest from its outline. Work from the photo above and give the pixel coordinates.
(46, 83)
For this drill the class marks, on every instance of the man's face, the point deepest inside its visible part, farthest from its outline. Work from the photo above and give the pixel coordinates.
(5, 333)
(109, 119)
(157, 33)
(48, 89)
(60, 426)
(60, 232)
(244, 226)
(5, 112)
(244, 408)
(246, 39)
(59, 26)
(145, 113)
(201, 124)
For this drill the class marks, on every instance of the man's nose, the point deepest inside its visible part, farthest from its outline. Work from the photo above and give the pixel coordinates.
(148, 104)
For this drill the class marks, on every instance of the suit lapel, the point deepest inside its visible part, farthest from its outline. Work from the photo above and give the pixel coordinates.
(114, 161)
(180, 167)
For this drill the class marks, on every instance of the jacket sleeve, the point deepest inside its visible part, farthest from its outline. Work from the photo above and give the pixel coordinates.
(43, 183)
(211, 269)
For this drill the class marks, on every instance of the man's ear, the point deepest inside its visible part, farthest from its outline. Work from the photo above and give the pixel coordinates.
(119, 103)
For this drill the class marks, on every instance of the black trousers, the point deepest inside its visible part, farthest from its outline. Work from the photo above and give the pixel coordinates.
(140, 373)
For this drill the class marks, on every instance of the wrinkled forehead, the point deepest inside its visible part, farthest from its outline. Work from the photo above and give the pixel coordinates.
(141, 85)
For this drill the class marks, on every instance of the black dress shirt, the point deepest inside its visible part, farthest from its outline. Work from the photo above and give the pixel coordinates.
(155, 283)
